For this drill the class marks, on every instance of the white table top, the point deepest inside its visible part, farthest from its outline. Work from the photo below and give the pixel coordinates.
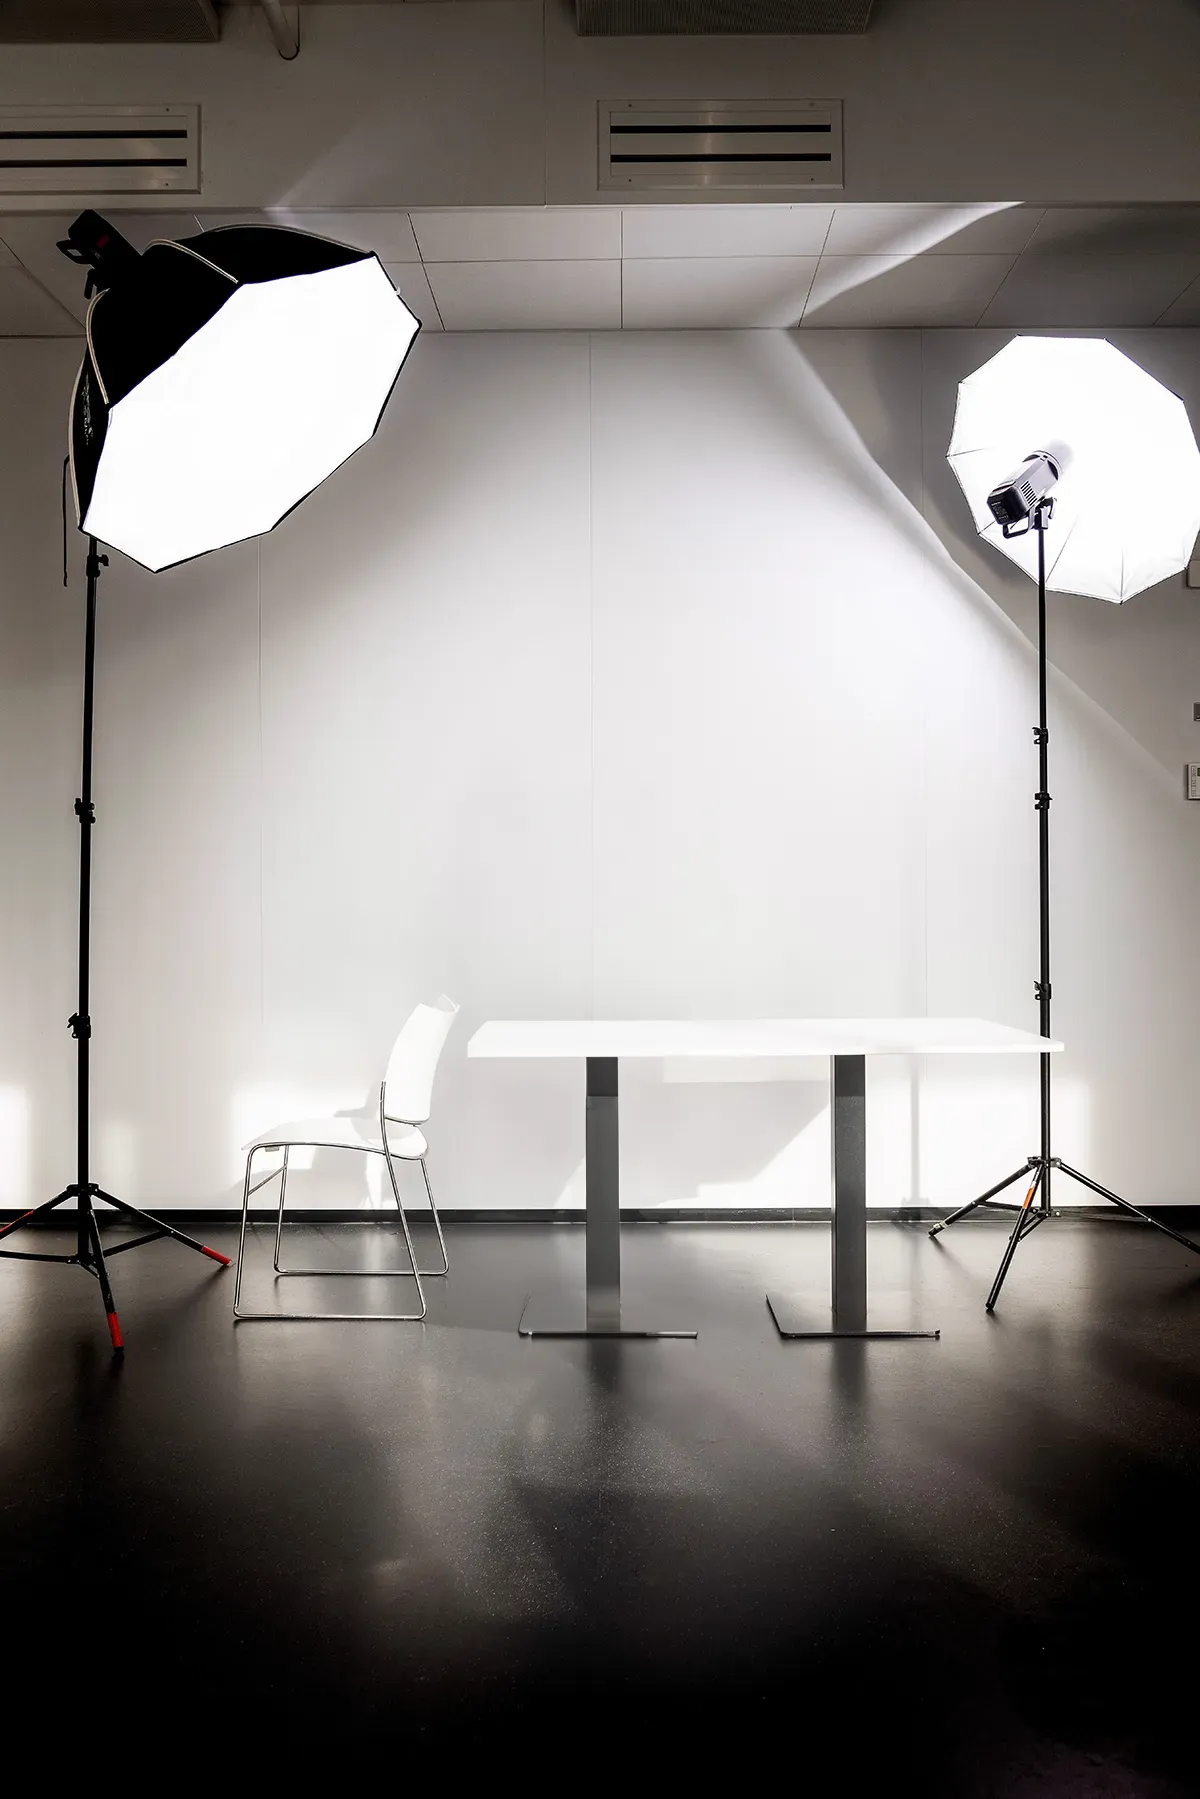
(584, 1037)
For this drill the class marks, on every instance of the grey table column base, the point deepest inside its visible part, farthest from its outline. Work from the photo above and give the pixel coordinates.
(598, 1311)
(797, 1318)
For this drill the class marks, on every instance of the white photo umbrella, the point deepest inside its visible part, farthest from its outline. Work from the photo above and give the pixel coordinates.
(1084, 470)
(1127, 502)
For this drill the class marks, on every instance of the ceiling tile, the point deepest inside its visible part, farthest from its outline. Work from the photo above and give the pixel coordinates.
(211, 221)
(142, 228)
(948, 230)
(27, 310)
(527, 296)
(388, 234)
(881, 291)
(411, 283)
(665, 231)
(1185, 310)
(517, 233)
(698, 292)
(33, 239)
(1141, 230)
(1075, 291)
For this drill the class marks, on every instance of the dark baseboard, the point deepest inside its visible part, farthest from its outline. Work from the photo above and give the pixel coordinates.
(184, 1216)
(1181, 1217)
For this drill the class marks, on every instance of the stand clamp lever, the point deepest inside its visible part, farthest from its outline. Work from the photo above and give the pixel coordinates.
(1040, 734)
(86, 814)
(79, 1026)
(1041, 990)
(1041, 802)
(94, 564)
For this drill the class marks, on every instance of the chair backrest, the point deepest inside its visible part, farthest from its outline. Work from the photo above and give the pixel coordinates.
(408, 1083)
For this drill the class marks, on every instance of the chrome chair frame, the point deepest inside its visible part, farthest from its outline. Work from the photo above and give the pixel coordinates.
(412, 1273)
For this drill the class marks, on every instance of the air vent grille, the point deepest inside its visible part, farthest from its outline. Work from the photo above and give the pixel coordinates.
(721, 144)
(721, 18)
(99, 150)
(108, 22)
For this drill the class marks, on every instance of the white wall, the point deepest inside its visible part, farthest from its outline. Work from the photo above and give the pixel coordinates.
(619, 674)
(489, 102)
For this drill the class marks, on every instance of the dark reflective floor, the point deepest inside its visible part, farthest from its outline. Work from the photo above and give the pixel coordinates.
(956, 1568)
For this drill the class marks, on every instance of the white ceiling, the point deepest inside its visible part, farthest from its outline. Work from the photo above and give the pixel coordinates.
(658, 267)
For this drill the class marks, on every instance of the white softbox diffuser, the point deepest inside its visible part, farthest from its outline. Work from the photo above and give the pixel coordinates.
(1127, 503)
(224, 382)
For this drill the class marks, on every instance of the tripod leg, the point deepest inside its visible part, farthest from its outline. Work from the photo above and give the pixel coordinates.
(1018, 1231)
(15, 1224)
(168, 1230)
(981, 1201)
(98, 1268)
(1116, 1200)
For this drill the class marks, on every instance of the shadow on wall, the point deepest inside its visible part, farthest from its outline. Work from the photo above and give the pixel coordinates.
(738, 1143)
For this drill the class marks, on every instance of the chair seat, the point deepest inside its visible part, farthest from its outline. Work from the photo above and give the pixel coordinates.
(404, 1140)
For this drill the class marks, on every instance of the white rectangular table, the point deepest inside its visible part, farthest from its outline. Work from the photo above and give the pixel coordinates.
(601, 1043)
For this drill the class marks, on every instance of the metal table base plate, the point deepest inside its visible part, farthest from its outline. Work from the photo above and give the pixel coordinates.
(563, 1315)
(800, 1318)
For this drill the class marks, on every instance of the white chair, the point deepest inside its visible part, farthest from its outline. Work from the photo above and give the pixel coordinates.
(405, 1094)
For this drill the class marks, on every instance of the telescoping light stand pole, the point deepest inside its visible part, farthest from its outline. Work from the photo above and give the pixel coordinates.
(1028, 1214)
(89, 1250)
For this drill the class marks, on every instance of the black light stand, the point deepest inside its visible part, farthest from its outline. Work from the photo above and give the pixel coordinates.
(1040, 1166)
(89, 1251)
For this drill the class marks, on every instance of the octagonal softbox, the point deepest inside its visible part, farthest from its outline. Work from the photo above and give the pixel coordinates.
(225, 377)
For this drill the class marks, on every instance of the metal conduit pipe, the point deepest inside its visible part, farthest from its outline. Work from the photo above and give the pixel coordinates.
(286, 41)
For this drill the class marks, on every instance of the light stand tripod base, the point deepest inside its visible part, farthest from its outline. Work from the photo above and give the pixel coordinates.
(1030, 1215)
(1021, 1229)
(89, 1251)
(989, 1198)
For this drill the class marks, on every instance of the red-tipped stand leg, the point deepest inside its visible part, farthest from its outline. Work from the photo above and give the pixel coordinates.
(114, 1331)
(215, 1254)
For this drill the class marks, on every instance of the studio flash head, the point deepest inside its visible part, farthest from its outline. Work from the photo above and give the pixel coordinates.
(1013, 501)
